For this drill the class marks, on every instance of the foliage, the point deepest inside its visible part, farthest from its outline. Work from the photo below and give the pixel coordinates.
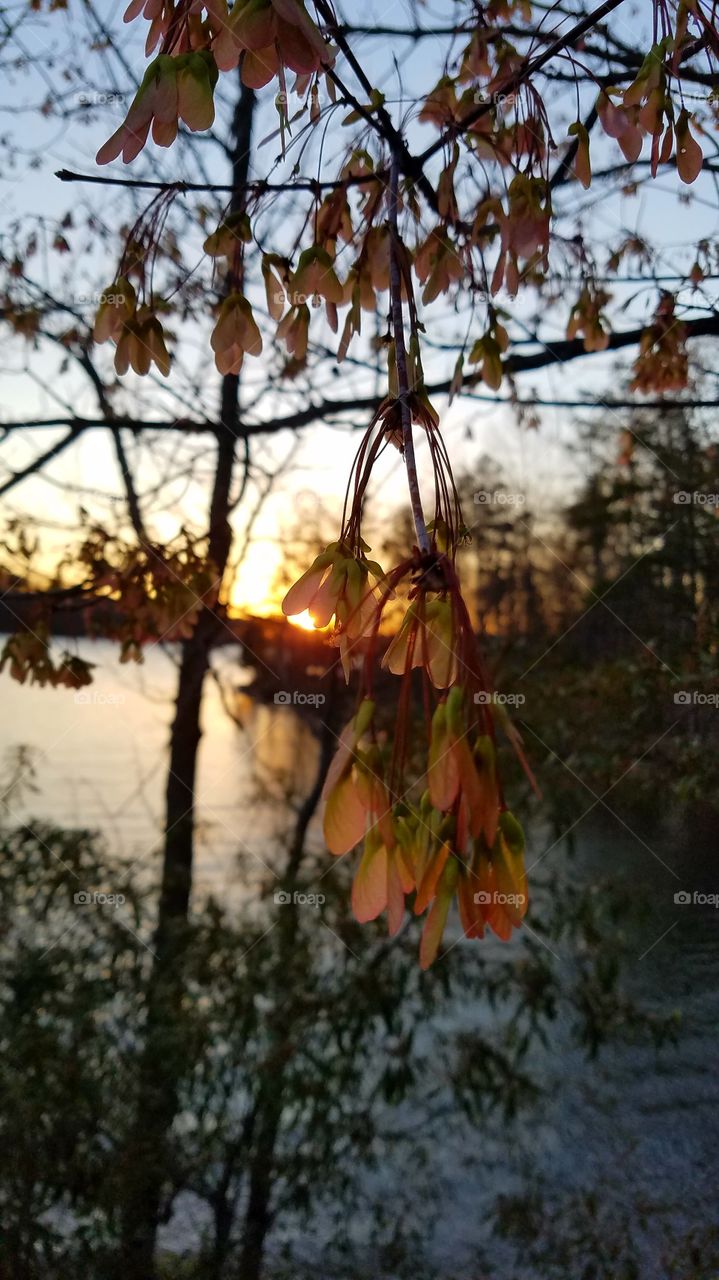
(290, 1012)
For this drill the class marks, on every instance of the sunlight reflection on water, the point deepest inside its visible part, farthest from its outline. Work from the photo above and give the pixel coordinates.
(101, 753)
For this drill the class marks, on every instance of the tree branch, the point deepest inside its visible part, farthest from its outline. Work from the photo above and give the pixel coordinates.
(38, 463)
(258, 188)
(559, 352)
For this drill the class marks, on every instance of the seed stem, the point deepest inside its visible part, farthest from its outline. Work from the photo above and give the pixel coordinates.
(395, 285)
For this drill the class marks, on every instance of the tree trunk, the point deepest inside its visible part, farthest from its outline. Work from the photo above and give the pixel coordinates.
(270, 1101)
(147, 1161)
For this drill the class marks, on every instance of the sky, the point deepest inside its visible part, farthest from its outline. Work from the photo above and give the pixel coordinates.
(542, 464)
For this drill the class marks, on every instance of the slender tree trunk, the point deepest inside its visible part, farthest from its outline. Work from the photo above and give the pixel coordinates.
(270, 1100)
(258, 1218)
(147, 1162)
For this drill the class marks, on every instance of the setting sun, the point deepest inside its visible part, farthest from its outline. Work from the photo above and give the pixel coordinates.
(303, 620)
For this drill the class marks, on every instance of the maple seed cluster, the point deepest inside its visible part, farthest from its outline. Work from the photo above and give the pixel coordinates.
(265, 36)
(134, 329)
(445, 833)
(174, 91)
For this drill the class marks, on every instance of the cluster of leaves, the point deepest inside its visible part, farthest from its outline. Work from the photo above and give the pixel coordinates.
(133, 593)
(157, 591)
(28, 656)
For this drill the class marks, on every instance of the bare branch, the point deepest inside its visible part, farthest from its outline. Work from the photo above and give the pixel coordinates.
(42, 459)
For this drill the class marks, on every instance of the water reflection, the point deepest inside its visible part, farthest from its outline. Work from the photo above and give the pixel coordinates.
(100, 757)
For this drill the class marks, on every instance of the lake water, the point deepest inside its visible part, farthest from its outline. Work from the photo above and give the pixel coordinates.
(100, 757)
(641, 1128)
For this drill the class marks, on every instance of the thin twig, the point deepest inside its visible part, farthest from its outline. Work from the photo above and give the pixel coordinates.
(259, 187)
(395, 285)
